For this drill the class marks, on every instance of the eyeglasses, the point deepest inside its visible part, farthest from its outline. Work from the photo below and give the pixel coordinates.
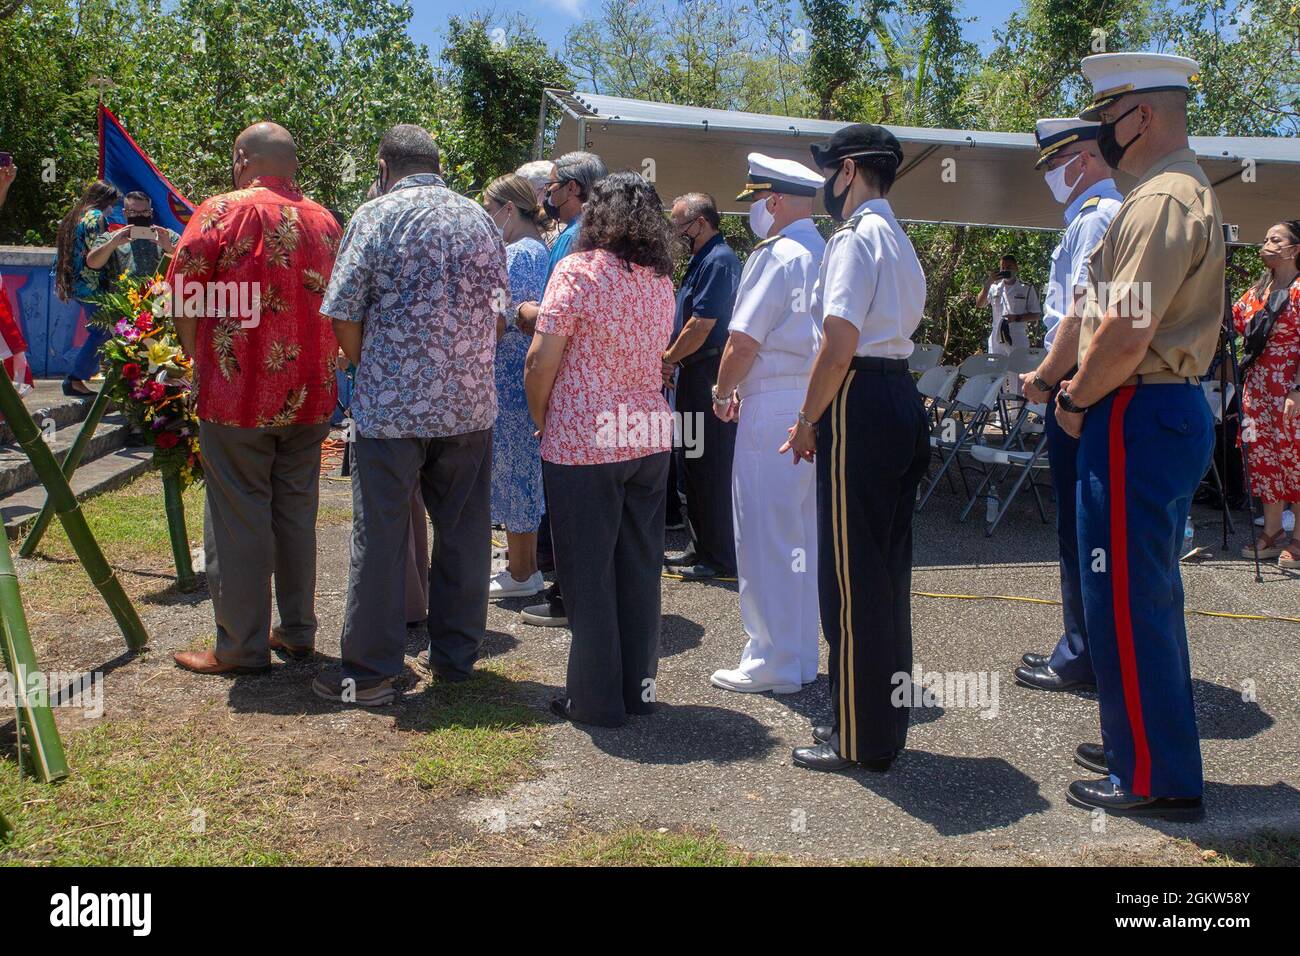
(1056, 162)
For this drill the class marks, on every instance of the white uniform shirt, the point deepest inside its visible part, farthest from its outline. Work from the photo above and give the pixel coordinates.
(774, 302)
(1084, 228)
(1011, 297)
(871, 278)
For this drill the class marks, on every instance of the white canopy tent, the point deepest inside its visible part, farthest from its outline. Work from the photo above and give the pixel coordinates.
(948, 176)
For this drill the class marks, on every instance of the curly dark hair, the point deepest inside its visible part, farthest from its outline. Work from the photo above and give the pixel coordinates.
(625, 216)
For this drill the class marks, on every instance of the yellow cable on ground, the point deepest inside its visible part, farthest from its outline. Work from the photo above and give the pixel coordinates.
(1032, 600)
(681, 577)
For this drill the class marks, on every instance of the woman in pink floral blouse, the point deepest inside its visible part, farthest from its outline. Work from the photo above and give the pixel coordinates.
(594, 385)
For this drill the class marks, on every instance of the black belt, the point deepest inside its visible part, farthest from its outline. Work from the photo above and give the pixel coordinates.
(699, 356)
(870, 363)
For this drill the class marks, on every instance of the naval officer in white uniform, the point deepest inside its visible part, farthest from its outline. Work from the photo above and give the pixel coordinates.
(763, 378)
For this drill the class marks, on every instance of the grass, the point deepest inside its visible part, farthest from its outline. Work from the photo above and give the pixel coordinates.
(130, 524)
(636, 846)
(1263, 849)
(141, 799)
(477, 738)
(131, 528)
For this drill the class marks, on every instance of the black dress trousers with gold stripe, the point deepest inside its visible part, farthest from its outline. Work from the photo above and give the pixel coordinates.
(873, 447)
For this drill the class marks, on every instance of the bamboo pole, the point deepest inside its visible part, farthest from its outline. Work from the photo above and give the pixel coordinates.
(69, 511)
(34, 714)
(71, 460)
(175, 505)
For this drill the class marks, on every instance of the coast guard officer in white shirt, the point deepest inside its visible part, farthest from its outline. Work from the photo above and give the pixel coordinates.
(1080, 181)
(763, 378)
(863, 424)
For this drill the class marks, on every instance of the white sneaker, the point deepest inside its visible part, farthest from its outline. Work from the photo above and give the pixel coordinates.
(738, 680)
(503, 584)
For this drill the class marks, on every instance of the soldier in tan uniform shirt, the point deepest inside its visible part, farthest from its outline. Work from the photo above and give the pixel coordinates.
(1149, 331)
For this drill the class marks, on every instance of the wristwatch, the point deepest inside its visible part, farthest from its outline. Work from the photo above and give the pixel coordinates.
(803, 420)
(1065, 402)
(719, 399)
(1040, 384)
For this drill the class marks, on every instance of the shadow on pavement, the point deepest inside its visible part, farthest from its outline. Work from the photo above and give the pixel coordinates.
(956, 795)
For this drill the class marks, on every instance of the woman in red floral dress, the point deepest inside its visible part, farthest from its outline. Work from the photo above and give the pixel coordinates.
(1271, 396)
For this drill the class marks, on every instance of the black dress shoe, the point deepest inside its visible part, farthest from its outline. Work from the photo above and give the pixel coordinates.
(560, 707)
(1044, 678)
(820, 757)
(1105, 795)
(824, 757)
(822, 733)
(699, 572)
(1092, 756)
(1036, 660)
(681, 559)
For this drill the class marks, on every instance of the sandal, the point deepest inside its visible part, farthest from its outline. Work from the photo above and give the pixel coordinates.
(1270, 546)
(1290, 556)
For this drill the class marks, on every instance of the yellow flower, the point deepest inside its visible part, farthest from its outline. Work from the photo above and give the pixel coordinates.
(160, 353)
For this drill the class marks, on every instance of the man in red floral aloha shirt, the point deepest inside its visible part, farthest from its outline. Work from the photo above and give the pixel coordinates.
(245, 288)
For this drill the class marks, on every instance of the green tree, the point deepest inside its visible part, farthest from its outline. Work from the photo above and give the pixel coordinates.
(496, 75)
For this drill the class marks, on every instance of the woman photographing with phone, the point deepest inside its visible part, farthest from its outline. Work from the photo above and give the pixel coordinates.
(75, 279)
(1268, 315)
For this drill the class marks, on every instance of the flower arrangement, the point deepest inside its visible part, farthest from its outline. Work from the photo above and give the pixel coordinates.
(154, 381)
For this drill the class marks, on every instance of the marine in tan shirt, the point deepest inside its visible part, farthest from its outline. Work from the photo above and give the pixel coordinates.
(1145, 436)
(1162, 261)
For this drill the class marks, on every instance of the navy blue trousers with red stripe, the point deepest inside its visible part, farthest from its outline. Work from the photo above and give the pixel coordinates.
(1143, 451)
(1070, 657)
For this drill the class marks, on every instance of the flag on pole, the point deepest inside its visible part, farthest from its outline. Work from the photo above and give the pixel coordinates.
(126, 166)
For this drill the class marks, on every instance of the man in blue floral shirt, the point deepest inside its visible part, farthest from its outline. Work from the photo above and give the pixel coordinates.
(419, 280)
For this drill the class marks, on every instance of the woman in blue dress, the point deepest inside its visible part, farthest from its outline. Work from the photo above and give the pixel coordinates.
(516, 463)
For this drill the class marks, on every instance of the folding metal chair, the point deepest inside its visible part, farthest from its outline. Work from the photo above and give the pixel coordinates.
(936, 387)
(1011, 402)
(974, 403)
(1218, 401)
(924, 357)
(998, 463)
(982, 363)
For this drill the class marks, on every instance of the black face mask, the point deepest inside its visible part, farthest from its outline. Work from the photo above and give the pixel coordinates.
(834, 203)
(549, 207)
(1111, 151)
(143, 220)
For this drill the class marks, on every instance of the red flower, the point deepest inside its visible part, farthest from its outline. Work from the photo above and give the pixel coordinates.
(167, 439)
(131, 371)
(157, 391)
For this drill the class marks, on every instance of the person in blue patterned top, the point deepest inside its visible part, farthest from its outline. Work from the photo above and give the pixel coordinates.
(516, 463)
(416, 291)
(74, 279)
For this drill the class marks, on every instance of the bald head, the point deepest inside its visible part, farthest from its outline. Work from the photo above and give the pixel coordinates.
(264, 149)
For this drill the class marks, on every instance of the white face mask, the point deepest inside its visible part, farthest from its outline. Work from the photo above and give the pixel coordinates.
(760, 220)
(1056, 181)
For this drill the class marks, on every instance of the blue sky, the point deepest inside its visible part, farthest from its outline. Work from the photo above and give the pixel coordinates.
(552, 18)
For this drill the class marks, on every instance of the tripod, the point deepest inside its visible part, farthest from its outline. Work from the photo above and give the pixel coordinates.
(1228, 355)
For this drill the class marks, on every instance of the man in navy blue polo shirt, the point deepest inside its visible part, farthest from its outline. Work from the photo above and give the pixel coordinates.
(704, 305)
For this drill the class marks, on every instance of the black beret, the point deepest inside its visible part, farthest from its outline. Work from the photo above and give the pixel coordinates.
(857, 142)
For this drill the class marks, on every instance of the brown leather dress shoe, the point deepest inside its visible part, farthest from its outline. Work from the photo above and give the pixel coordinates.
(291, 651)
(205, 662)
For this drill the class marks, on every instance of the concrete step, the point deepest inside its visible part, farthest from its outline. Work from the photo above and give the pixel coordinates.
(104, 474)
(49, 408)
(17, 471)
